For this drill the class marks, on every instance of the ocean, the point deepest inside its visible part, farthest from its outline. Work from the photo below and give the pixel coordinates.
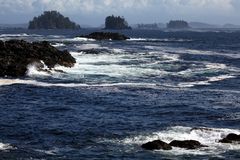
(120, 94)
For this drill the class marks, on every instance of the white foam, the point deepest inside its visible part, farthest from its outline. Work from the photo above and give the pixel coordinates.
(216, 66)
(19, 35)
(14, 35)
(162, 40)
(79, 39)
(33, 70)
(171, 57)
(206, 82)
(137, 39)
(58, 45)
(48, 152)
(89, 46)
(220, 78)
(5, 146)
(108, 64)
(206, 136)
(118, 50)
(201, 52)
(97, 46)
(55, 36)
(6, 82)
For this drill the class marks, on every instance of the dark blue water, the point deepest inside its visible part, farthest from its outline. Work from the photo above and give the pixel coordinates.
(156, 85)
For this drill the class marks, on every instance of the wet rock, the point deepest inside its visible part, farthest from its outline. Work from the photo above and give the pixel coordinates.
(188, 144)
(156, 145)
(17, 55)
(231, 138)
(106, 36)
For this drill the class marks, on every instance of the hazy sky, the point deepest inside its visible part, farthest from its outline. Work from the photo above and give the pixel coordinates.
(93, 12)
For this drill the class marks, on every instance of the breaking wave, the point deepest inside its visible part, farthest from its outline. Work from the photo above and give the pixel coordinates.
(206, 136)
(4, 147)
(6, 82)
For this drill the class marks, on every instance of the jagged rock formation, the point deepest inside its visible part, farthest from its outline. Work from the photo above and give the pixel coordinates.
(52, 20)
(17, 55)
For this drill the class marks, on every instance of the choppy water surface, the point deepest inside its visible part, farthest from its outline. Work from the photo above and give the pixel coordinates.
(121, 94)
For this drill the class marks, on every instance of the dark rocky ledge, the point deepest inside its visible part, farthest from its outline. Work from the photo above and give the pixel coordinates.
(231, 138)
(17, 55)
(188, 144)
(106, 36)
(156, 145)
(160, 145)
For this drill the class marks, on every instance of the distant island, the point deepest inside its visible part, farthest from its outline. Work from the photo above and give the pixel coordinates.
(112, 22)
(152, 26)
(52, 20)
(178, 24)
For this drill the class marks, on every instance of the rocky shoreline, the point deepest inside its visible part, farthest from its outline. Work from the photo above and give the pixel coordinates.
(17, 55)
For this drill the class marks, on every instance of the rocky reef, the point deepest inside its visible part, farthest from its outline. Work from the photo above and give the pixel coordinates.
(17, 55)
(106, 36)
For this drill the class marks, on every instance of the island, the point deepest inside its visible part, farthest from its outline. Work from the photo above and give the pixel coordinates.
(178, 24)
(112, 22)
(52, 20)
(153, 26)
(17, 55)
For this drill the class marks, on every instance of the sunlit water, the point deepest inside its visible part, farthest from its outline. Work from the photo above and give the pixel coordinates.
(157, 85)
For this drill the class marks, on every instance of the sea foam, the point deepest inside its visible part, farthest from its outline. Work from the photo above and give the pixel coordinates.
(206, 136)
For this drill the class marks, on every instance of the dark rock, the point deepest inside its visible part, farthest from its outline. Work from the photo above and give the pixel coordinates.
(188, 144)
(230, 138)
(106, 36)
(17, 55)
(156, 145)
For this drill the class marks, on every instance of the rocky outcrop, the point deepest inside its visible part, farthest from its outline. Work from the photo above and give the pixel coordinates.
(17, 55)
(231, 138)
(156, 145)
(188, 144)
(106, 36)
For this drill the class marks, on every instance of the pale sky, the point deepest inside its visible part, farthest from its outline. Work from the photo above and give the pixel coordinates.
(93, 12)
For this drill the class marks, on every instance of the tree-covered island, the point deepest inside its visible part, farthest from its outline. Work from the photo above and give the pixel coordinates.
(52, 20)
